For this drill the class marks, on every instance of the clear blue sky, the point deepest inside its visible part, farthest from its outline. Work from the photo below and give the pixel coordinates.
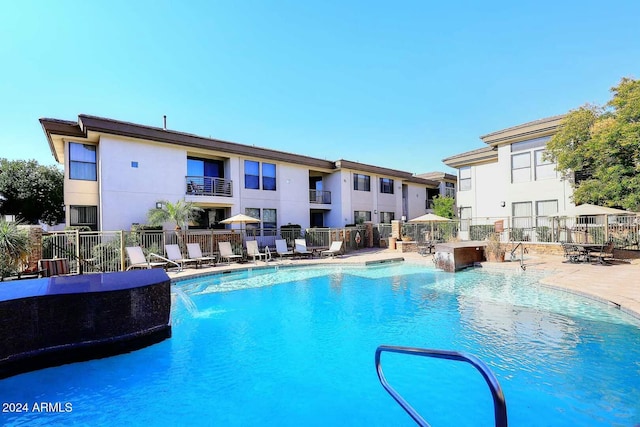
(395, 84)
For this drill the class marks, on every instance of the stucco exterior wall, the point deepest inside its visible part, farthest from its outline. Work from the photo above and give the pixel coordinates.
(127, 192)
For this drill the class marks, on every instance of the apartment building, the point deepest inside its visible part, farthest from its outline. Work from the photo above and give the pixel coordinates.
(510, 176)
(115, 171)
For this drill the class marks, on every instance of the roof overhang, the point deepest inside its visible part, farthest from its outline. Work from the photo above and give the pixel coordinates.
(536, 129)
(472, 158)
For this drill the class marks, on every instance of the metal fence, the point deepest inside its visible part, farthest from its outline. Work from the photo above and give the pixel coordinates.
(105, 251)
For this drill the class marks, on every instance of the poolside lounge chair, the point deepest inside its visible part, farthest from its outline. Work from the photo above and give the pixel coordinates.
(174, 254)
(227, 253)
(196, 253)
(603, 254)
(334, 249)
(301, 248)
(254, 252)
(137, 259)
(53, 267)
(282, 249)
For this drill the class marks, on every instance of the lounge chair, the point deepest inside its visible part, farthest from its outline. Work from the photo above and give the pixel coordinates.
(282, 249)
(196, 253)
(227, 253)
(301, 248)
(174, 254)
(572, 253)
(254, 252)
(53, 267)
(137, 259)
(334, 249)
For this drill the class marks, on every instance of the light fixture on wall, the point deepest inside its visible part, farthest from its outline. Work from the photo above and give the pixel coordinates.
(375, 212)
(503, 204)
(158, 205)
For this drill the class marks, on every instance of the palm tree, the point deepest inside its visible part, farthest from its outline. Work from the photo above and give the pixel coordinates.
(180, 212)
(14, 248)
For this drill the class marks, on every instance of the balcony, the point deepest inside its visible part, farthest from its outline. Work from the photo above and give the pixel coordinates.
(208, 186)
(320, 197)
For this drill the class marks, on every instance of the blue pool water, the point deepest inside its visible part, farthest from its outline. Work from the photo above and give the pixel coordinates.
(296, 347)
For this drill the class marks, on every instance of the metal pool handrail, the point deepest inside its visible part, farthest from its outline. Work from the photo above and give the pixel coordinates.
(499, 404)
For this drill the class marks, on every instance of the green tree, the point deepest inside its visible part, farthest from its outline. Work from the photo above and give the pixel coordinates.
(14, 247)
(180, 212)
(31, 191)
(443, 206)
(600, 147)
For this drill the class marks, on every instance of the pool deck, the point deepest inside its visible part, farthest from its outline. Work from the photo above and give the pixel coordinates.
(616, 284)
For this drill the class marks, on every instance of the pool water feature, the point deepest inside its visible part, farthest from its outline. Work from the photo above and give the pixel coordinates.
(297, 347)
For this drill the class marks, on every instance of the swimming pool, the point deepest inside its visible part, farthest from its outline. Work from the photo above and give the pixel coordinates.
(296, 347)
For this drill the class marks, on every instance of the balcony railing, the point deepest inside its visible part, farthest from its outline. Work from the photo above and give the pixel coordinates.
(208, 186)
(317, 196)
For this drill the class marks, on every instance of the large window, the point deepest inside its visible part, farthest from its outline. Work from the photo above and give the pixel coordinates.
(268, 176)
(251, 175)
(86, 216)
(270, 221)
(521, 167)
(545, 208)
(361, 182)
(252, 228)
(82, 161)
(545, 169)
(522, 214)
(450, 190)
(465, 218)
(360, 216)
(386, 185)
(465, 178)
(387, 217)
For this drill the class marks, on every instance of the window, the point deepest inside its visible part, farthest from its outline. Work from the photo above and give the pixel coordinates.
(268, 176)
(82, 161)
(465, 178)
(545, 169)
(544, 208)
(522, 213)
(361, 182)
(270, 221)
(465, 218)
(521, 167)
(252, 228)
(449, 190)
(84, 216)
(360, 216)
(251, 175)
(387, 217)
(386, 185)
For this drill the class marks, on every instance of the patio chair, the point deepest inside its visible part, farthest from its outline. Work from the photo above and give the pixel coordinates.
(572, 253)
(334, 249)
(301, 248)
(254, 252)
(174, 254)
(196, 253)
(603, 254)
(282, 249)
(53, 267)
(137, 259)
(227, 253)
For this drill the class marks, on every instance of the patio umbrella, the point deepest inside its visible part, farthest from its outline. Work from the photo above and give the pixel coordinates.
(430, 218)
(588, 209)
(240, 219)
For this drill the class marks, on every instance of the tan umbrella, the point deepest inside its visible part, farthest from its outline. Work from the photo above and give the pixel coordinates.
(240, 219)
(588, 209)
(430, 218)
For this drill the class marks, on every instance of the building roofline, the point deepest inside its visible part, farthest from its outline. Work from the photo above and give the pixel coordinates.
(480, 155)
(529, 130)
(88, 123)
